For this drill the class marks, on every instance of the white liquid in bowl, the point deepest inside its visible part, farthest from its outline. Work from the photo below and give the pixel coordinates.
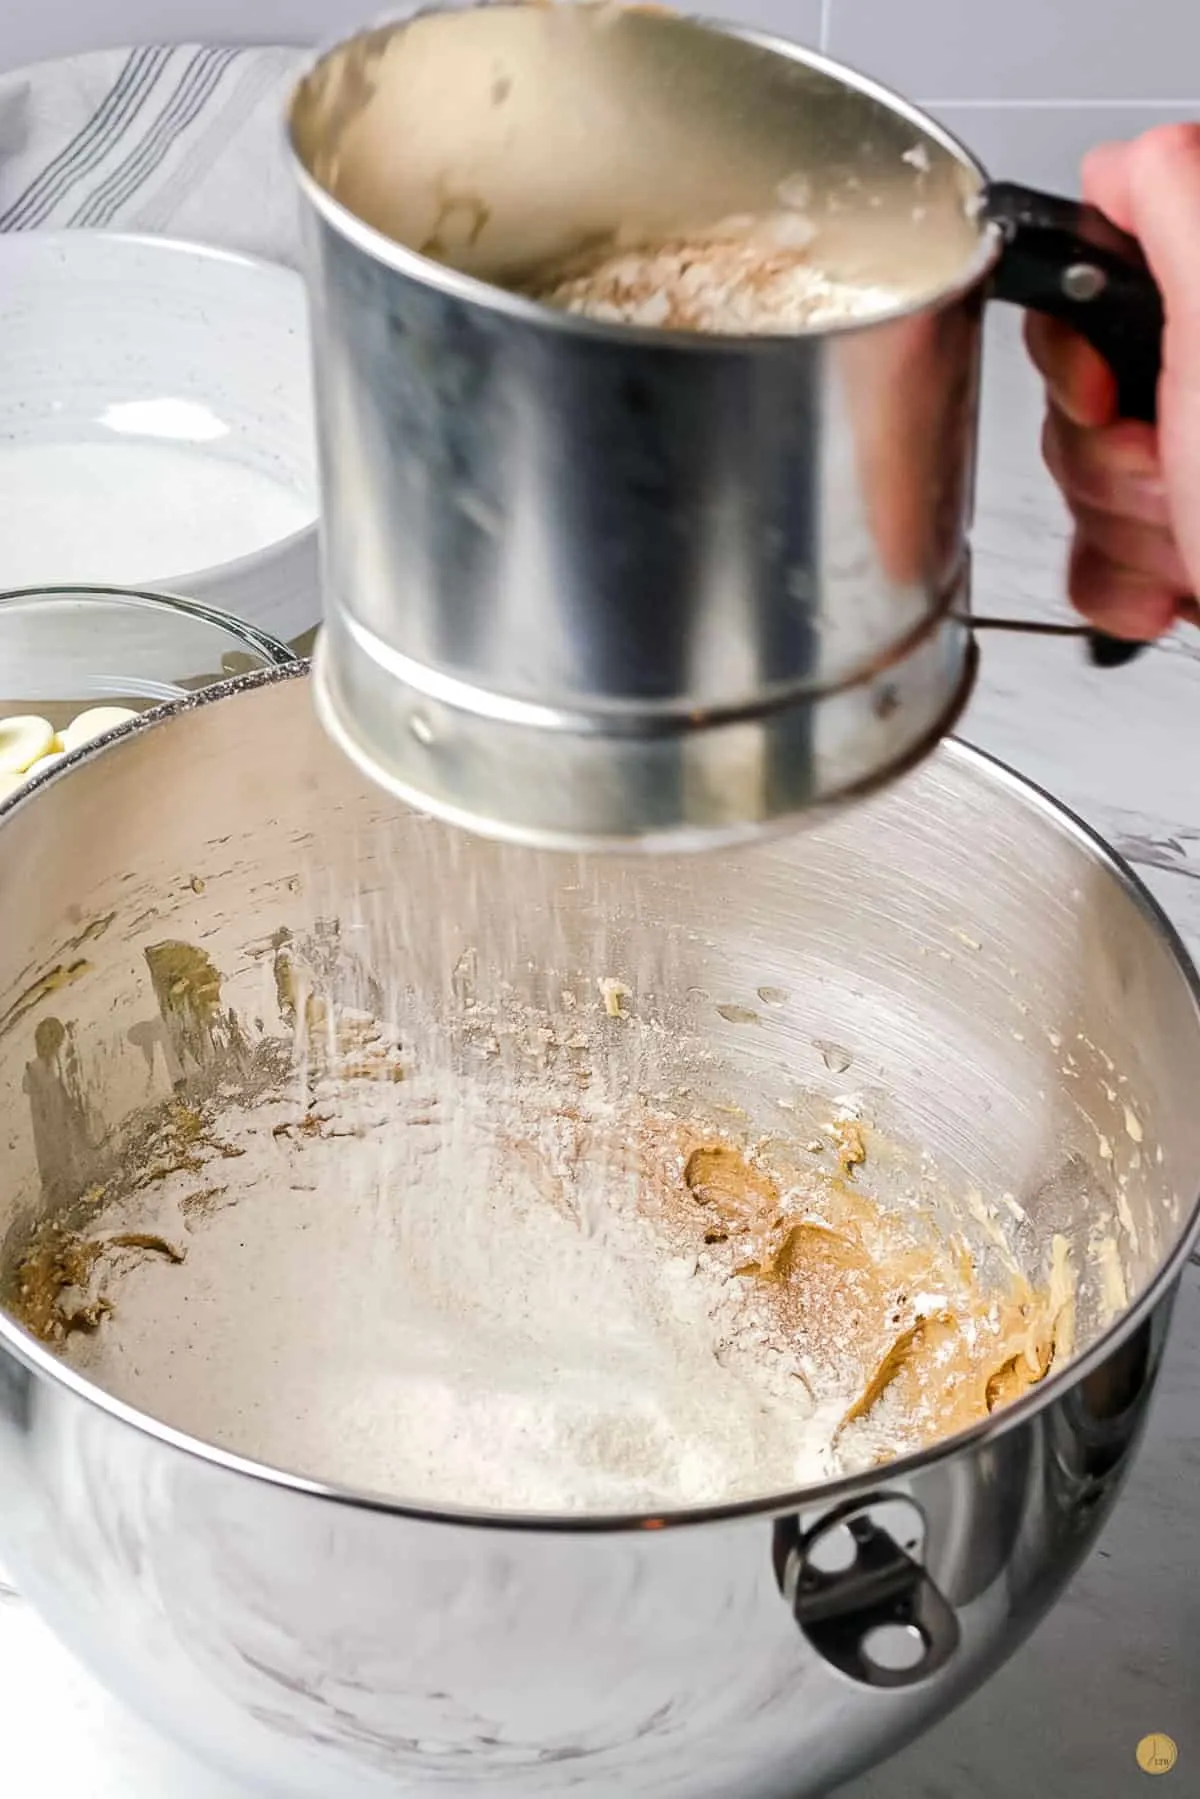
(138, 513)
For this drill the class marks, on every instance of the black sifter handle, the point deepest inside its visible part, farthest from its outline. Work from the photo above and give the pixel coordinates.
(1072, 262)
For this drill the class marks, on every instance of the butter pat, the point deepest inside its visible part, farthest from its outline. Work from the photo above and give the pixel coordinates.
(93, 723)
(28, 745)
(22, 741)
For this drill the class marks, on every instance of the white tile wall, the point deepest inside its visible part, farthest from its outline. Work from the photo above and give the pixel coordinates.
(31, 30)
(1044, 146)
(1028, 83)
(933, 49)
(804, 21)
(1024, 49)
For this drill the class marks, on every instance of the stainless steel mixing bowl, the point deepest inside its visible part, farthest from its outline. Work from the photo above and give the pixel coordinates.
(591, 584)
(1009, 999)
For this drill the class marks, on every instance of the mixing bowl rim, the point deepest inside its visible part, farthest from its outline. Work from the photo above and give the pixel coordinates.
(520, 309)
(39, 1360)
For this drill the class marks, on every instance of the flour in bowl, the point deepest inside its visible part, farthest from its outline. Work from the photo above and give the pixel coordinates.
(488, 1265)
(410, 1294)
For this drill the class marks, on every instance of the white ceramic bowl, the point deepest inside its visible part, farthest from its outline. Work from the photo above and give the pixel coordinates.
(156, 423)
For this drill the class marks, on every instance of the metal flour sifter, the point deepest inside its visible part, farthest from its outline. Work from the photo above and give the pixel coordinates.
(593, 584)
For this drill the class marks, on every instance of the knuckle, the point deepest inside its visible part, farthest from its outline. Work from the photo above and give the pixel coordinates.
(1159, 152)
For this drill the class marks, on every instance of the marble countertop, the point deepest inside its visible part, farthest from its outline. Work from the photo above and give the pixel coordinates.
(1116, 1660)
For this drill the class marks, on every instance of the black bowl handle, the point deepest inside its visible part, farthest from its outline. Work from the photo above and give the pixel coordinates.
(1072, 262)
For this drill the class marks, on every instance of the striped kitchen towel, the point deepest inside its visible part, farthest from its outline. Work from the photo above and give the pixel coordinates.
(183, 140)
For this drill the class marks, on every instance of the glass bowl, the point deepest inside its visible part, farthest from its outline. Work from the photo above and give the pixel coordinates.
(114, 646)
(68, 650)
